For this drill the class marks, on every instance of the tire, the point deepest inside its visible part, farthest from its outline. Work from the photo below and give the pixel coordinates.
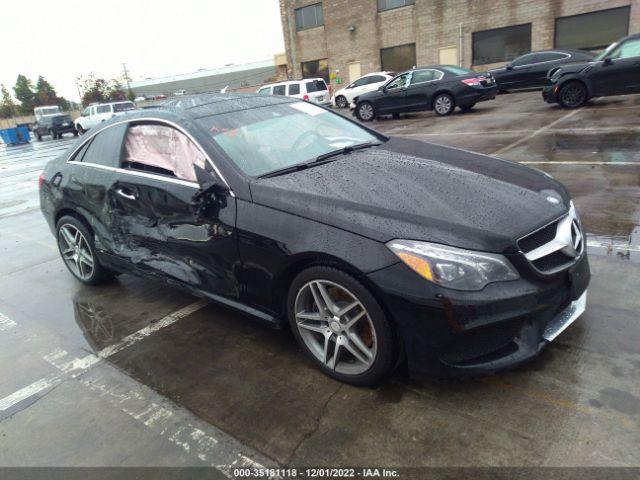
(75, 133)
(374, 348)
(80, 130)
(341, 102)
(573, 94)
(395, 116)
(54, 135)
(71, 232)
(468, 108)
(365, 111)
(444, 104)
(38, 136)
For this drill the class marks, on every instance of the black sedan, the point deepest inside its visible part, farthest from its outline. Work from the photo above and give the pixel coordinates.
(616, 71)
(530, 70)
(372, 249)
(441, 88)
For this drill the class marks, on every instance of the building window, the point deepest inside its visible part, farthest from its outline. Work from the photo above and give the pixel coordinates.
(316, 69)
(501, 44)
(397, 59)
(592, 31)
(309, 17)
(391, 4)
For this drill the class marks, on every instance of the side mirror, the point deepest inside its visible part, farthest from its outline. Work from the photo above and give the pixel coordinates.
(606, 61)
(508, 66)
(381, 88)
(208, 182)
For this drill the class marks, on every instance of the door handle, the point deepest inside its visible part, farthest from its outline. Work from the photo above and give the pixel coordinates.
(126, 194)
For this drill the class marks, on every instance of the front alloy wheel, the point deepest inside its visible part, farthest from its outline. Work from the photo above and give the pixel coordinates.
(572, 95)
(365, 112)
(341, 326)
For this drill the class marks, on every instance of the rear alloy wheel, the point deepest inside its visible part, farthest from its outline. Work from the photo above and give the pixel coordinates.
(341, 326)
(365, 112)
(572, 95)
(341, 102)
(443, 104)
(75, 244)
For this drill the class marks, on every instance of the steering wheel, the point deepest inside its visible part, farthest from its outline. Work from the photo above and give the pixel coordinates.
(299, 144)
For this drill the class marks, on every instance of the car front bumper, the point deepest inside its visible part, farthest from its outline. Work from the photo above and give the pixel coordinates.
(448, 333)
(550, 93)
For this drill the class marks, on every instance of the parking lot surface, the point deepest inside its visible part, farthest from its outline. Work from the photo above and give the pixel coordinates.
(138, 373)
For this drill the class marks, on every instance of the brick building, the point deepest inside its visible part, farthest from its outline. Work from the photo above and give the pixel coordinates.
(342, 39)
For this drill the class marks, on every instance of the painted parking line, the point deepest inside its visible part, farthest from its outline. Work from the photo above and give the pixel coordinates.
(536, 132)
(580, 130)
(78, 365)
(6, 323)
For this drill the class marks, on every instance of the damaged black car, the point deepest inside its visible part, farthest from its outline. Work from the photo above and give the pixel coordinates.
(374, 250)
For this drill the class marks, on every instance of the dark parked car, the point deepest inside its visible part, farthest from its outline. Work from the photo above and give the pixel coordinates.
(616, 71)
(371, 248)
(441, 88)
(530, 70)
(52, 121)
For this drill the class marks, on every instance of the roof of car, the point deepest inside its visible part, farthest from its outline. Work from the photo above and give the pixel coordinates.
(287, 82)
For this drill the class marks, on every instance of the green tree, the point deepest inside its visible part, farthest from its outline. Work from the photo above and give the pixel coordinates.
(7, 105)
(45, 93)
(24, 93)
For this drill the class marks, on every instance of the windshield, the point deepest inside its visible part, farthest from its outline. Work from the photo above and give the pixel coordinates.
(602, 55)
(457, 70)
(265, 139)
(123, 107)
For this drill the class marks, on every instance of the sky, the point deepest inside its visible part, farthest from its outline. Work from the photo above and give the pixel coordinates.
(154, 38)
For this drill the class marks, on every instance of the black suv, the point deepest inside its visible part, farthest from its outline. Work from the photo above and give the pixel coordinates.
(51, 121)
(616, 71)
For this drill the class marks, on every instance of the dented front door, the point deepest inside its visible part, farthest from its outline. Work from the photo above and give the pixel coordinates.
(161, 232)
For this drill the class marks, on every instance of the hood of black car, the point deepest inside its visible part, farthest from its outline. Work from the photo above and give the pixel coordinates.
(574, 67)
(413, 190)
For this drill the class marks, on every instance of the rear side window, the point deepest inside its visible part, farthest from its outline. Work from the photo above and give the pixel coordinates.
(161, 149)
(421, 76)
(279, 90)
(316, 86)
(294, 89)
(105, 147)
(551, 56)
(80, 153)
(104, 109)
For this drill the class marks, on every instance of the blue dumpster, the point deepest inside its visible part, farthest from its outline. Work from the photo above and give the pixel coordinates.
(15, 136)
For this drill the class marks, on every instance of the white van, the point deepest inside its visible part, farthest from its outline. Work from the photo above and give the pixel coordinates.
(95, 114)
(311, 89)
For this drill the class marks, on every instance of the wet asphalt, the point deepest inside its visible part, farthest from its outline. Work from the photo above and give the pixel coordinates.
(138, 373)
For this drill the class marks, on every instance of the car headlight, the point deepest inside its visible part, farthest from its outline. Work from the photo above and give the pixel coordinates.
(453, 267)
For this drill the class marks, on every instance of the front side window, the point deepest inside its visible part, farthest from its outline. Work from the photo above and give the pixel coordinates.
(309, 17)
(397, 59)
(104, 109)
(264, 91)
(316, 69)
(262, 140)
(86, 112)
(160, 149)
(501, 44)
(280, 90)
(630, 48)
(399, 82)
(592, 31)
(551, 56)
(391, 4)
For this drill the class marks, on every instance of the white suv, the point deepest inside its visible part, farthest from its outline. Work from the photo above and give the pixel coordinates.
(367, 83)
(311, 89)
(95, 114)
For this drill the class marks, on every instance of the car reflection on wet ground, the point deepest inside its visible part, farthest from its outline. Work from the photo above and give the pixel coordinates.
(138, 373)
